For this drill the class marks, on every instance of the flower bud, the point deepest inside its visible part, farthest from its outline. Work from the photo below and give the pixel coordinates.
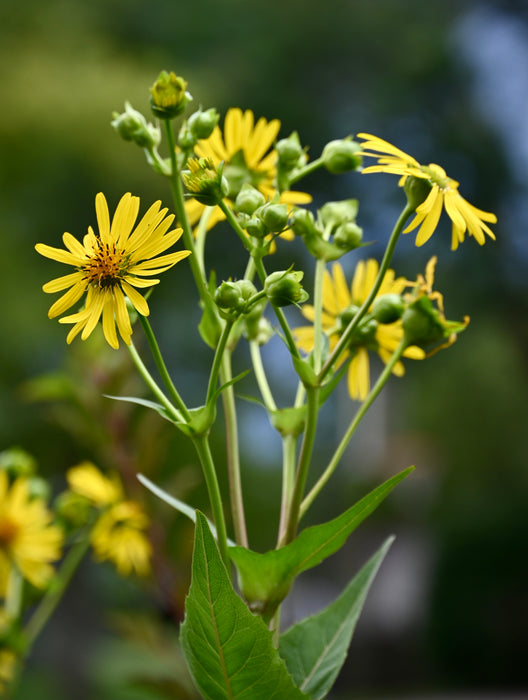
(131, 125)
(234, 296)
(168, 97)
(255, 227)
(348, 236)
(422, 323)
(388, 308)
(205, 181)
(274, 217)
(73, 508)
(302, 222)
(341, 156)
(39, 488)
(416, 189)
(334, 214)
(17, 462)
(249, 199)
(290, 152)
(259, 329)
(365, 332)
(284, 287)
(201, 124)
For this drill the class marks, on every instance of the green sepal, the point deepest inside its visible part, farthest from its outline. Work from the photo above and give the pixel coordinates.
(265, 579)
(316, 648)
(229, 651)
(289, 421)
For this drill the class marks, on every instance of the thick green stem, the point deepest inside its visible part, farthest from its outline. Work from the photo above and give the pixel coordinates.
(387, 257)
(318, 312)
(162, 369)
(217, 362)
(325, 476)
(203, 449)
(54, 595)
(312, 402)
(233, 455)
(306, 170)
(289, 453)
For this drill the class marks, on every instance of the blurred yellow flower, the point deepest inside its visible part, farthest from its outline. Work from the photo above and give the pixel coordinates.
(110, 265)
(244, 147)
(86, 480)
(443, 194)
(339, 305)
(7, 668)
(119, 536)
(28, 539)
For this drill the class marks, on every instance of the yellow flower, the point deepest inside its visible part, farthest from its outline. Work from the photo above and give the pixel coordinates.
(110, 265)
(119, 536)
(28, 539)
(339, 305)
(244, 147)
(86, 480)
(443, 194)
(8, 662)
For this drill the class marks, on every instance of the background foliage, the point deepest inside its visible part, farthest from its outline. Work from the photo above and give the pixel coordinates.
(444, 81)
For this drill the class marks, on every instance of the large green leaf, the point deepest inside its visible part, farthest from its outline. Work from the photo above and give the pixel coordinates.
(316, 648)
(229, 651)
(265, 579)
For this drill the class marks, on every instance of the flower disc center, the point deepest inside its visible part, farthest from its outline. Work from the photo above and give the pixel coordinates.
(106, 266)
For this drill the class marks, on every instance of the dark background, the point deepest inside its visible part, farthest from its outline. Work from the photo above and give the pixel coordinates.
(445, 81)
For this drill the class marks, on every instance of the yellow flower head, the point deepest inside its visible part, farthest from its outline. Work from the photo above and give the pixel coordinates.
(244, 147)
(119, 536)
(86, 480)
(111, 265)
(443, 193)
(28, 539)
(339, 305)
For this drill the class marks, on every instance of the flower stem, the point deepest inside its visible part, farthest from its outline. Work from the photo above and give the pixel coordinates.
(235, 225)
(306, 170)
(325, 476)
(233, 455)
(260, 376)
(55, 593)
(289, 452)
(220, 351)
(387, 257)
(312, 402)
(162, 369)
(203, 449)
(181, 213)
(150, 382)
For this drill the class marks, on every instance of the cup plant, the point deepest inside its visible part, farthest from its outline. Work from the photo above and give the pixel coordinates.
(245, 175)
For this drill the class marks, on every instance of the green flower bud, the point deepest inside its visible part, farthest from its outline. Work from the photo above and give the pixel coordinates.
(422, 323)
(341, 156)
(255, 227)
(388, 308)
(168, 97)
(365, 333)
(348, 236)
(334, 214)
(347, 315)
(234, 296)
(39, 488)
(73, 508)
(17, 462)
(416, 189)
(284, 287)
(290, 152)
(201, 124)
(131, 125)
(205, 181)
(249, 199)
(302, 222)
(259, 328)
(274, 217)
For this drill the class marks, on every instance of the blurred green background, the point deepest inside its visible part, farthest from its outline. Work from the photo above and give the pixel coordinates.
(445, 81)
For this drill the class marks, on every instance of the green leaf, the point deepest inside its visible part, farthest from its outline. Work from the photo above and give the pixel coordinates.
(178, 505)
(144, 402)
(315, 649)
(229, 651)
(265, 579)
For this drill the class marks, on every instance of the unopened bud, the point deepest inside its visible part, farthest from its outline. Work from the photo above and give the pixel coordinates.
(168, 97)
(274, 217)
(284, 288)
(234, 296)
(205, 181)
(131, 125)
(249, 199)
(388, 308)
(201, 124)
(341, 156)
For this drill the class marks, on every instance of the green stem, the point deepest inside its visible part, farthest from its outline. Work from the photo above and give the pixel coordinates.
(387, 257)
(203, 449)
(233, 455)
(312, 404)
(318, 311)
(162, 368)
(289, 453)
(150, 382)
(325, 476)
(306, 170)
(55, 593)
(235, 225)
(260, 376)
(181, 213)
(220, 350)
